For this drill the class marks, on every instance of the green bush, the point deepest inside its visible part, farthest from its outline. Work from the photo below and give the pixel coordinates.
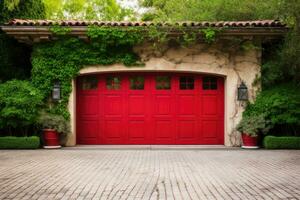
(19, 105)
(280, 105)
(14, 59)
(253, 125)
(29, 9)
(272, 142)
(9, 142)
(53, 121)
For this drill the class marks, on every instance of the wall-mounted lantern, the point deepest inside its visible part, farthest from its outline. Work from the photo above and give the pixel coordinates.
(56, 91)
(242, 92)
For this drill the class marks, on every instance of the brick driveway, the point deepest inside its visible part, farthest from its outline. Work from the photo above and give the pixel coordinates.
(149, 174)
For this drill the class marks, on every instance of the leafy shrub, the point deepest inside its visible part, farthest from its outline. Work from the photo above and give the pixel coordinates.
(253, 125)
(29, 9)
(280, 105)
(14, 59)
(19, 105)
(32, 142)
(272, 142)
(53, 121)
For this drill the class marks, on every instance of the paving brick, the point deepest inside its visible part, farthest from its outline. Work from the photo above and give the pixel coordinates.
(149, 174)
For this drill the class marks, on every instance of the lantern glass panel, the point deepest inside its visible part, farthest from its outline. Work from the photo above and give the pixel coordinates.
(56, 91)
(242, 92)
(56, 94)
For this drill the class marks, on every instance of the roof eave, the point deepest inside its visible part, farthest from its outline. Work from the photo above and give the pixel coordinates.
(32, 34)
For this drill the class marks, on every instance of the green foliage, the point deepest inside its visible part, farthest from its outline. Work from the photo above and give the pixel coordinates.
(14, 59)
(209, 35)
(60, 30)
(280, 105)
(189, 39)
(157, 36)
(11, 4)
(9, 142)
(29, 9)
(108, 10)
(248, 45)
(254, 125)
(289, 12)
(52, 121)
(129, 36)
(289, 58)
(281, 62)
(19, 104)
(211, 10)
(272, 74)
(148, 16)
(272, 142)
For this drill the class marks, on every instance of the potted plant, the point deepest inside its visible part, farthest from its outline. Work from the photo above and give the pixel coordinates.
(251, 127)
(53, 126)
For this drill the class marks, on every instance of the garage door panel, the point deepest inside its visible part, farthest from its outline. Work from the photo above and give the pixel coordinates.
(89, 105)
(90, 129)
(162, 105)
(113, 129)
(187, 129)
(186, 104)
(136, 130)
(210, 104)
(164, 130)
(113, 105)
(137, 105)
(210, 128)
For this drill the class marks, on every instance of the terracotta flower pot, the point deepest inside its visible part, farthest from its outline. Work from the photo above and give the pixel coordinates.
(249, 142)
(51, 139)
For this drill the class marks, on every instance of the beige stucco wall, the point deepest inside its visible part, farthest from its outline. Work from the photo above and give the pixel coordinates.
(234, 65)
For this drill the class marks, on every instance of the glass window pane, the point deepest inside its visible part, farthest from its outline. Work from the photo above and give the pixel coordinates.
(190, 80)
(137, 83)
(89, 83)
(206, 86)
(113, 83)
(163, 82)
(209, 83)
(182, 79)
(206, 80)
(190, 86)
(182, 86)
(186, 83)
(213, 86)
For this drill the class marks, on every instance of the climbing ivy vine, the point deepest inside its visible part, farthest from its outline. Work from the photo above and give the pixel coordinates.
(61, 60)
(59, 30)
(210, 35)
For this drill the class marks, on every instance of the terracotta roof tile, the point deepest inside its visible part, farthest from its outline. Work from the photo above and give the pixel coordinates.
(257, 23)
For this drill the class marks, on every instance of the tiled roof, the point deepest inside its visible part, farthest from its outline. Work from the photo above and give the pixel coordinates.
(30, 31)
(257, 23)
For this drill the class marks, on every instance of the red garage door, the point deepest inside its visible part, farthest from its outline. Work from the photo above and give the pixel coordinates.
(144, 108)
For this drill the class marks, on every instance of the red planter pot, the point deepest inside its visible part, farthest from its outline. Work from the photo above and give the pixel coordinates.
(249, 142)
(51, 139)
